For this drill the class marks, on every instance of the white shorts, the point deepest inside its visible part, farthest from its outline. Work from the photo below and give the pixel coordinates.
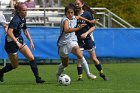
(67, 48)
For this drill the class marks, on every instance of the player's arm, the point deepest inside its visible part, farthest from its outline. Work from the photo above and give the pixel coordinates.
(11, 35)
(5, 27)
(84, 35)
(90, 21)
(28, 37)
(69, 30)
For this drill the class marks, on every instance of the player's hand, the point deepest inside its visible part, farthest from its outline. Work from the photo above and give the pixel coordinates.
(32, 45)
(19, 45)
(84, 35)
(81, 25)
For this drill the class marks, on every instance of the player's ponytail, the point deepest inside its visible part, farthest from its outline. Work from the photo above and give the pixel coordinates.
(17, 8)
(86, 7)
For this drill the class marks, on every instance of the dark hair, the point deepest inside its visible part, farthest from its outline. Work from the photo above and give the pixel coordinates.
(68, 7)
(86, 7)
(76, 10)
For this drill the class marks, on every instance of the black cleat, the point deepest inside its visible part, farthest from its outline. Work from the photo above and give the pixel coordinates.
(104, 77)
(1, 76)
(39, 80)
(80, 79)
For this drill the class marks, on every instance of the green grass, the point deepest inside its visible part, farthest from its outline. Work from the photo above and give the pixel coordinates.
(123, 78)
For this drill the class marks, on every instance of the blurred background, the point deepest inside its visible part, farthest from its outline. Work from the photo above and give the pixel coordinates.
(128, 10)
(117, 32)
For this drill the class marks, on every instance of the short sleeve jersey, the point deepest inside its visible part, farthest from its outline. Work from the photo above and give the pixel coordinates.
(65, 37)
(2, 19)
(17, 24)
(88, 16)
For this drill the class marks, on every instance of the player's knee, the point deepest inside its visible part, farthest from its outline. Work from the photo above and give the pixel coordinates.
(14, 66)
(79, 56)
(65, 64)
(65, 61)
(31, 58)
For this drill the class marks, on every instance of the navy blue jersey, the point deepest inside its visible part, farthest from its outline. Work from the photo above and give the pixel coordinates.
(88, 16)
(17, 24)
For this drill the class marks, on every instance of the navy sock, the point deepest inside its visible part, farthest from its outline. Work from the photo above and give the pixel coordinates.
(34, 68)
(99, 68)
(80, 71)
(7, 68)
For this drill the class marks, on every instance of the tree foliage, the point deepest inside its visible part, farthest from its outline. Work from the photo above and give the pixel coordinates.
(129, 10)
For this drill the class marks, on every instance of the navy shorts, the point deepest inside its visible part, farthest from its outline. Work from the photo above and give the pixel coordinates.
(11, 47)
(86, 44)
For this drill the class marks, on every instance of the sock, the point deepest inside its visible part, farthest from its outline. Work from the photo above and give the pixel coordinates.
(84, 65)
(7, 68)
(99, 68)
(60, 69)
(34, 68)
(80, 71)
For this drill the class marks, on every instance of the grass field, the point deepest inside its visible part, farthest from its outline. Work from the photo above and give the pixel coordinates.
(123, 78)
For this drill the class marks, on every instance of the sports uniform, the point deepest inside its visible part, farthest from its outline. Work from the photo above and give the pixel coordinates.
(85, 37)
(88, 42)
(14, 41)
(2, 19)
(17, 24)
(66, 40)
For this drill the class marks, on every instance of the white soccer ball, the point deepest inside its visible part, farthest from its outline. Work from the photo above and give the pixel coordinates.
(64, 80)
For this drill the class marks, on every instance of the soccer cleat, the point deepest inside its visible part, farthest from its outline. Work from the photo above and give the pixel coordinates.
(1, 76)
(39, 80)
(80, 79)
(104, 77)
(91, 76)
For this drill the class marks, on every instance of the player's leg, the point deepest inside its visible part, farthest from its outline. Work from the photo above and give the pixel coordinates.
(80, 71)
(14, 64)
(79, 66)
(76, 51)
(63, 53)
(62, 66)
(28, 54)
(11, 49)
(97, 64)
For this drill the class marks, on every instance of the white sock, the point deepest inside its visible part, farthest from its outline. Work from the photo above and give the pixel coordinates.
(60, 69)
(84, 65)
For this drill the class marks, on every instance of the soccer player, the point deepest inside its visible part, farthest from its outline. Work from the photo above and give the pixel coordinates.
(67, 42)
(14, 42)
(85, 37)
(3, 21)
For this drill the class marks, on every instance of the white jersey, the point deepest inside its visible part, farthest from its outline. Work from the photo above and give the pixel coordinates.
(2, 19)
(65, 37)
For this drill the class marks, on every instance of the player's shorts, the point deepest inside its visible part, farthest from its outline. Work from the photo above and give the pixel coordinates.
(86, 44)
(66, 49)
(11, 46)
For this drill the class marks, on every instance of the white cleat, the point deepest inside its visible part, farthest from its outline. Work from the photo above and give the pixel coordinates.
(91, 76)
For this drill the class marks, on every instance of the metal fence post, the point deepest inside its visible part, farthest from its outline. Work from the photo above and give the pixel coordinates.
(109, 20)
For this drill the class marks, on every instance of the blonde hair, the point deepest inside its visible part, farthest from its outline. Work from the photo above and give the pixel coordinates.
(17, 7)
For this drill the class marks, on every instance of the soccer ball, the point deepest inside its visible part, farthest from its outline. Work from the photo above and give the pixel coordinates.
(64, 80)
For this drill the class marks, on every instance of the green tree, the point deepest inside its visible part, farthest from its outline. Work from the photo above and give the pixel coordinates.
(129, 10)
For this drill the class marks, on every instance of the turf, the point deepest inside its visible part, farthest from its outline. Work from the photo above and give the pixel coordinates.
(123, 78)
